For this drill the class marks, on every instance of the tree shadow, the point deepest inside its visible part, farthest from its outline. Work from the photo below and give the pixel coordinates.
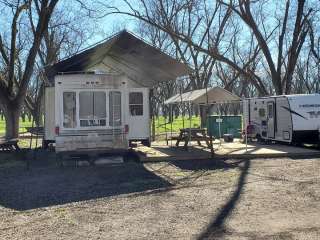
(44, 187)
(191, 153)
(216, 229)
(206, 164)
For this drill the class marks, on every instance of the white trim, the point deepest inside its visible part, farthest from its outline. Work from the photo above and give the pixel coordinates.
(77, 91)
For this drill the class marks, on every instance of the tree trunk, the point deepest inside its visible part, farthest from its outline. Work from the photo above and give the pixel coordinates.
(204, 112)
(37, 117)
(29, 117)
(12, 122)
(23, 116)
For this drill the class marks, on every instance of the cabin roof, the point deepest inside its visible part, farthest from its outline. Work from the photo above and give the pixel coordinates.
(127, 50)
(204, 96)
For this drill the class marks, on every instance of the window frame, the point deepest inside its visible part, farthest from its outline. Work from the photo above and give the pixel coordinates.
(62, 112)
(136, 104)
(264, 112)
(270, 113)
(106, 115)
(77, 91)
(121, 117)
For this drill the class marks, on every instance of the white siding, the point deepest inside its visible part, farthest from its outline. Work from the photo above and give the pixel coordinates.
(49, 118)
(100, 137)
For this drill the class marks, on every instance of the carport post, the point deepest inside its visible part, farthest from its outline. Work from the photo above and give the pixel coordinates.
(219, 124)
(171, 112)
(190, 116)
(246, 138)
(165, 129)
(246, 127)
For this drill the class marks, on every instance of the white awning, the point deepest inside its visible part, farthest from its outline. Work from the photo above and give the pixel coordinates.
(204, 96)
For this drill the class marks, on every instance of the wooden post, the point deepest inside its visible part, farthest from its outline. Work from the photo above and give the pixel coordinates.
(171, 112)
(165, 128)
(190, 116)
(153, 129)
(211, 146)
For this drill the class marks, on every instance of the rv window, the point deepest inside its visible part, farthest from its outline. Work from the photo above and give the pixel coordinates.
(115, 108)
(270, 111)
(136, 103)
(92, 109)
(69, 109)
(262, 112)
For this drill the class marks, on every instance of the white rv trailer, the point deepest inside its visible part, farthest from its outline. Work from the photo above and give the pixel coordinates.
(99, 99)
(96, 111)
(285, 118)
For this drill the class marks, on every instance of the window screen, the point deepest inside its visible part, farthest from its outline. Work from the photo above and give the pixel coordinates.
(262, 112)
(92, 109)
(136, 103)
(115, 108)
(270, 111)
(69, 109)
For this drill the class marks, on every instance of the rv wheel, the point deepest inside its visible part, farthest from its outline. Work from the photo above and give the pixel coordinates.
(297, 144)
(146, 142)
(259, 138)
(45, 144)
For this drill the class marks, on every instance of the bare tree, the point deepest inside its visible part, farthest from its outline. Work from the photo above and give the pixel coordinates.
(65, 36)
(16, 74)
(282, 69)
(210, 24)
(278, 43)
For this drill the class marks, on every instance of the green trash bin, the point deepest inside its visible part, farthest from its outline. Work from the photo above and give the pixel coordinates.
(229, 124)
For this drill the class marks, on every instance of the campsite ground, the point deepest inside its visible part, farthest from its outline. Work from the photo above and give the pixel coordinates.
(198, 199)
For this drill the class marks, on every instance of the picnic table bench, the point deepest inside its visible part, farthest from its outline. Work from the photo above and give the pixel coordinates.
(36, 130)
(8, 144)
(194, 134)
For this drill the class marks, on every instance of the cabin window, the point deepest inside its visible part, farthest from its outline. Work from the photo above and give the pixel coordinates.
(69, 109)
(115, 108)
(92, 109)
(262, 112)
(136, 103)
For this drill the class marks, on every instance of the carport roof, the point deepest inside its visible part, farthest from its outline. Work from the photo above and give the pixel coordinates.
(128, 50)
(204, 96)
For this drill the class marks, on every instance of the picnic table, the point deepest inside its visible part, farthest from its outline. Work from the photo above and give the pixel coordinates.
(194, 134)
(36, 130)
(8, 144)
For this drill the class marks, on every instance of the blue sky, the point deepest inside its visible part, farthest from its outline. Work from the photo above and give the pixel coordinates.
(113, 23)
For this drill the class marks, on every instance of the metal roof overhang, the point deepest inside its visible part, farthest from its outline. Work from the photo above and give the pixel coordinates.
(204, 96)
(130, 52)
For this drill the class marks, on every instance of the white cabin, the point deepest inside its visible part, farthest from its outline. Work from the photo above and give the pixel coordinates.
(285, 118)
(99, 99)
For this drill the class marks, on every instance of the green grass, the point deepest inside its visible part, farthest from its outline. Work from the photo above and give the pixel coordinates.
(22, 126)
(159, 122)
(177, 124)
(161, 127)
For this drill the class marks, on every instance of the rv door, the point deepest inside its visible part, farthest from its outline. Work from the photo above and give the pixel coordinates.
(271, 120)
(138, 114)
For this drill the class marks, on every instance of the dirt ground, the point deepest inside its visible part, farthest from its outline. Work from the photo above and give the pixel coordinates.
(198, 199)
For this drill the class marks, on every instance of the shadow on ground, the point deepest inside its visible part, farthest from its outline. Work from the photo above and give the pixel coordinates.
(206, 164)
(216, 229)
(193, 151)
(42, 187)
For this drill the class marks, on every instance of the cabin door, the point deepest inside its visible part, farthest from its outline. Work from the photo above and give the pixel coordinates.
(139, 126)
(271, 120)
